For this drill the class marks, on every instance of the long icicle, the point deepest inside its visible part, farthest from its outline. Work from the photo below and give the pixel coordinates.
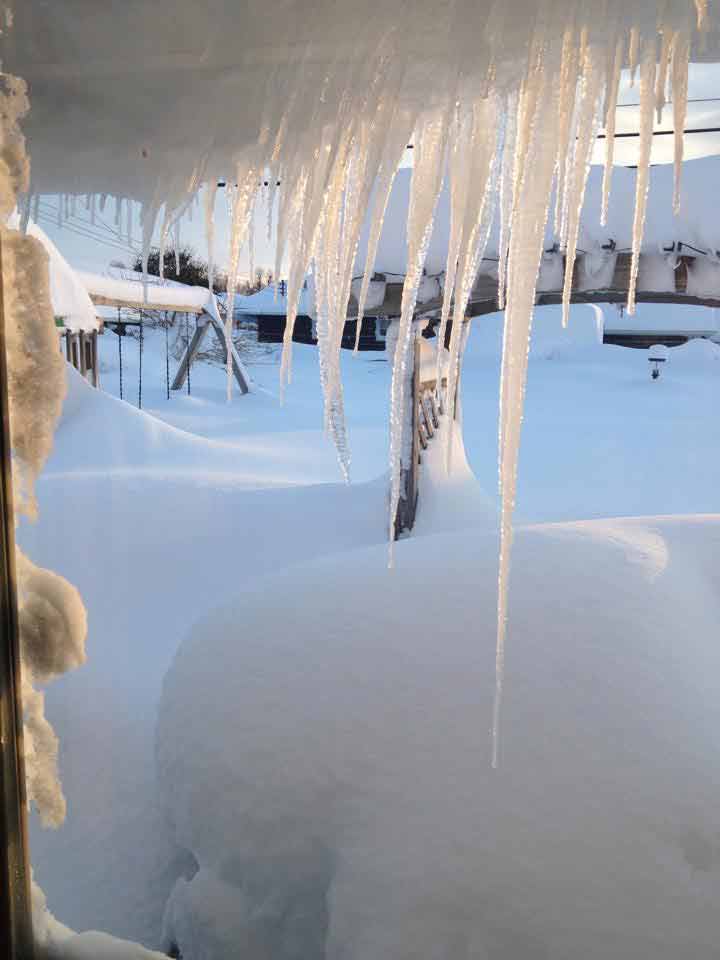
(610, 119)
(679, 76)
(530, 206)
(647, 104)
(588, 122)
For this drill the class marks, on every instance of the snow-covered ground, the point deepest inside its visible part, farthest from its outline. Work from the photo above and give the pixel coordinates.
(163, 515)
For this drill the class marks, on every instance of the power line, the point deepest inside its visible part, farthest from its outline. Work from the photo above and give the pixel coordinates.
(660, 133)
(668, 102)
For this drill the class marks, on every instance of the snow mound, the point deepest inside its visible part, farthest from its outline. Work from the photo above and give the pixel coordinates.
(332, 779)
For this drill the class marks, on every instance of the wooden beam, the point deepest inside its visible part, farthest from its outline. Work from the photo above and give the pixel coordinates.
(102, 301)
(194, 348)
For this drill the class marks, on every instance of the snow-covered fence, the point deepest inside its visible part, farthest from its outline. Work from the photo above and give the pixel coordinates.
(81, 351)
(425, 399)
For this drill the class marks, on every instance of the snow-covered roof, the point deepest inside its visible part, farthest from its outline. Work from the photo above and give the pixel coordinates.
(698, 223)
(154, 295)
(272, 301)
(662, 318)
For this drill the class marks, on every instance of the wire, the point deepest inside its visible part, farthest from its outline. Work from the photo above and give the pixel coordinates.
(661, 133)
(668, 102)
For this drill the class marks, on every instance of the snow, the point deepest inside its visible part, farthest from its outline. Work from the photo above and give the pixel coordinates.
(301, 109)
(52, 629)
(35, 368)
(146, 495)
(164, 294)
(696, 225)
(663, 317)
(320, 122)
(353, 812)
(271, 301)
(55, 941)
(68, 295)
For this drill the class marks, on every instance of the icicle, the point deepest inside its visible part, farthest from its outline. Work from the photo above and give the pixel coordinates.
(36, 207)
(701, 6)
(482, 151)
(462, 134)
(210, 195)
(177, 247)
(568, 89)
(662, 73)
(270, 200)
(506, 194)
(242, 208)
(633, 53)
(251, 251)
(148, 219)
(680, 58)
(610, 117)
(647, 95)
(538, 134)
(164, 233)
(588, 122)
(397, 139)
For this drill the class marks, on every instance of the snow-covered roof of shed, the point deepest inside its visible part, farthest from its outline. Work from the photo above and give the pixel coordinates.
(271, 301)
(662, 318)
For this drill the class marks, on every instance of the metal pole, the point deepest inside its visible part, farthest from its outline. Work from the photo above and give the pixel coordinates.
(187, 349)
(140, 366)
(16, 937)
(120, 332)
(167, 356)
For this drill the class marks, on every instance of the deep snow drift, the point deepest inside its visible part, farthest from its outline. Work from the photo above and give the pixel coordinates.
(136, 511)
(332, 780)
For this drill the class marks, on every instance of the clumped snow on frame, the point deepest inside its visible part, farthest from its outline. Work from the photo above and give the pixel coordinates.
(52, 621)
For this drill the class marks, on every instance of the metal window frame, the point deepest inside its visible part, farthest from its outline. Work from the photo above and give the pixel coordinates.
(16, 935)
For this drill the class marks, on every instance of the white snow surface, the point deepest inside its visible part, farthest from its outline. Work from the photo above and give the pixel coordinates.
(134, 511)
(55, 941)
(353, 812)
